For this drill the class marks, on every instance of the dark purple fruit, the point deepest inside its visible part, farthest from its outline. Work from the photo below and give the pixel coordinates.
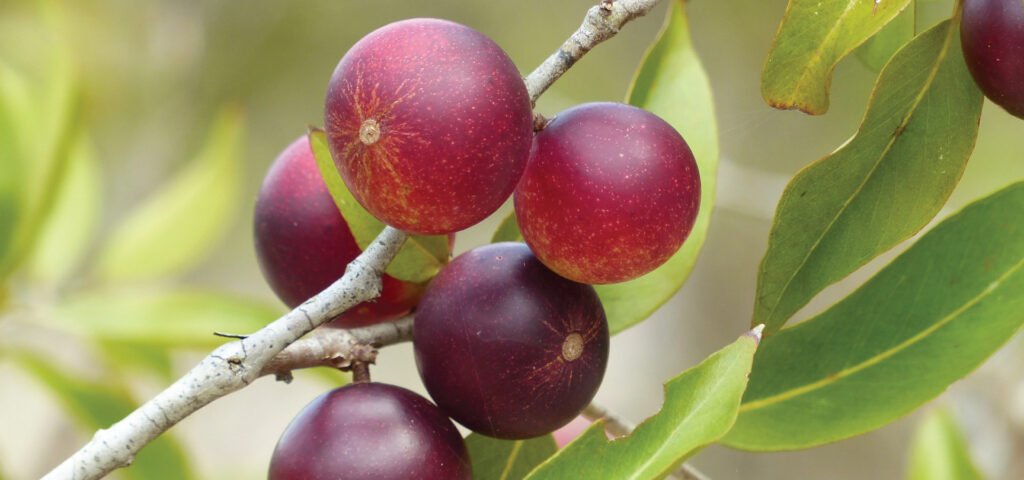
(992, 36)
(430, 125)
(610, 193)
(303, 243)
(370, 431)
(508, 348)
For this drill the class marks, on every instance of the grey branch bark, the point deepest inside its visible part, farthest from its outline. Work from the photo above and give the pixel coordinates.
(601, 23)
(619, 427)
(234, 365)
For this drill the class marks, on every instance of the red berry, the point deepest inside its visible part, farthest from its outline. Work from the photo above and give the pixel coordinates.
(992, 37)
(372, 431)
(303, 243)
(507, 347)
(430, 125)
(610, 193)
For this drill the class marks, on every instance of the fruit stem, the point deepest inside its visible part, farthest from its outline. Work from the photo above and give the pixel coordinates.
(360, 372)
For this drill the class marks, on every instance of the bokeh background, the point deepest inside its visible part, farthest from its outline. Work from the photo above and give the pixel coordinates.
(154, 77)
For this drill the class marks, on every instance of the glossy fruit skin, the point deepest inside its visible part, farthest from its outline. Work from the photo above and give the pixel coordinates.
(610, 193)
(303, 243)
(430, 125)
(992, 37)
(370, 431)
(493, 342)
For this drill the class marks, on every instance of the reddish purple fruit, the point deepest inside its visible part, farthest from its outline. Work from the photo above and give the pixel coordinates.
(508, 348)
(370, 430)
(303, 244)
(430, 125)
(992, 36)
(610, 193)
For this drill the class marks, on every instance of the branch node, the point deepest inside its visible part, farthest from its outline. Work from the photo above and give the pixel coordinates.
(285, 376)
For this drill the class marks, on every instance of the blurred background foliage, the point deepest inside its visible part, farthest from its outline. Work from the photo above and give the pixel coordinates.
(133, 139)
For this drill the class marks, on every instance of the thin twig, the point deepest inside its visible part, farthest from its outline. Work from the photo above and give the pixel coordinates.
(602, 22)
(620, 427)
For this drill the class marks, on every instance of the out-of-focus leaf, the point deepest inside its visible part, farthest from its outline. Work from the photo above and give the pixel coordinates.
(495, 459)
(700, 406)
(11, 197)
(923, 322)
(938, 451)
(813, 37)
(420, 258)
(881, 47)
(98, 405)
(330, 376)
(158, 318)
(66, 234)
(147, 359)
(42, 118)
(883, 185)
(174, 229)
(672, 84)
(508, 231)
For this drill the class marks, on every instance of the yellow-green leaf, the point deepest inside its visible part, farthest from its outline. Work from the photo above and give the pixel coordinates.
(68, 230)
(420, 258)
(160, 318)
(881, 47)
(938, 450)
(176, 227)
(813, 37)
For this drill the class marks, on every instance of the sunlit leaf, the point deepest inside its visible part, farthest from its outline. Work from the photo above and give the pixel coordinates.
(11, 196)
(881, 187)
(700, 406)
(420, 258)
(672, 84)
(938, 451)
(177, 226)
(98, 405)
(813, 37)
(495, 459)
(881, 47)
(159, 318)
(926, 320)
(66, 234)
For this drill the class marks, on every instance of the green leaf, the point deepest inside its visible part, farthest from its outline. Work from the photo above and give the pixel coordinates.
(938, 451)
(672, 84)
(67, 232)
(495, 459)
(700, 406)
(142, 358)
(158, 318)
(508, 231)
(98, 405)
(10, 184)
(813, 37)
(881, 187)
(420, 258)
(927, 319)
(177, 225)
(881, 47)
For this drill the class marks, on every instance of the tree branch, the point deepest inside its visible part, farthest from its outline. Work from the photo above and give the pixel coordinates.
(601, 23)
(621, 427)
(233, 366)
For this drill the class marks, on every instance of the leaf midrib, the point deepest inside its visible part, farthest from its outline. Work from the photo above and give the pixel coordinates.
(876, 359)
(510, 464)
(871, 173)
